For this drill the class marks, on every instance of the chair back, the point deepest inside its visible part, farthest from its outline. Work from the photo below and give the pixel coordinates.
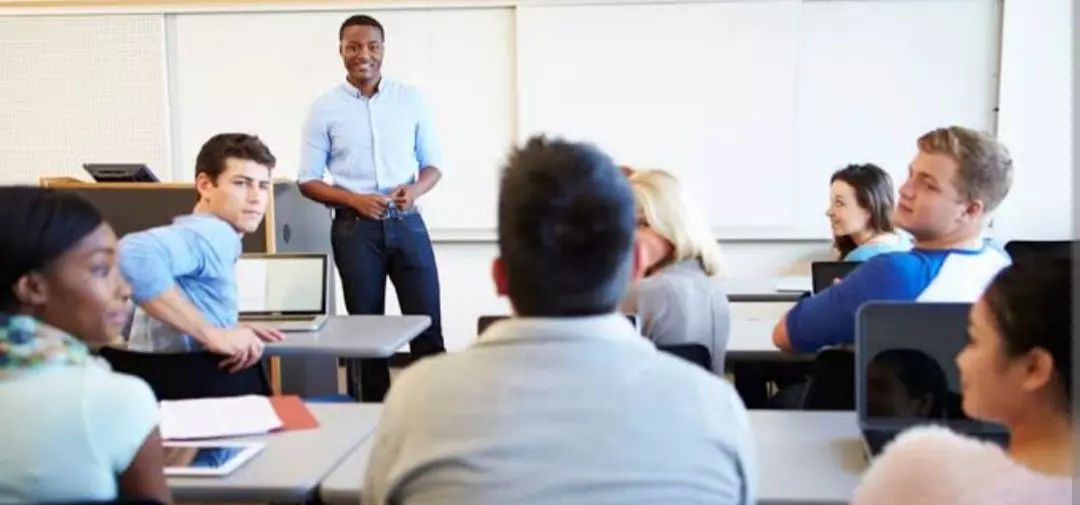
(182, 376)
(832, 381)
(1019, 250)
(694, 353)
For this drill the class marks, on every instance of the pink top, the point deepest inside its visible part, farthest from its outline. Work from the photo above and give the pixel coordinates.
(935, 466)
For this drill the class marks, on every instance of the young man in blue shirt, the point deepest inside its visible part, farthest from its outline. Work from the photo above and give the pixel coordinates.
(955, 182)
(183, 275)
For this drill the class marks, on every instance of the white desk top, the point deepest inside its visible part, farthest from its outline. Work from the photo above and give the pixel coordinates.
(804, 458)
(343, 485)
(807, 458)
(292, 465)
(353, 337)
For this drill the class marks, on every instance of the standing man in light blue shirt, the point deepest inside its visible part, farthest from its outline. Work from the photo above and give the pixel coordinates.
(375, 138)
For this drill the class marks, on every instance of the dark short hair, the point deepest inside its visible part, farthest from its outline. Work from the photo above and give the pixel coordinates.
(985, 164)
(212, 156)
(1031, 305)
(566, 229)
(37, 226)
(873, 192)
(362, 20)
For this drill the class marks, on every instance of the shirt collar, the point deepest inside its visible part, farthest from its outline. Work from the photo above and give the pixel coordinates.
(615, 328)
(354, 92)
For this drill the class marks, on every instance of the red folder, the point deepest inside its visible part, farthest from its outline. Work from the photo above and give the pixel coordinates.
(294, 413)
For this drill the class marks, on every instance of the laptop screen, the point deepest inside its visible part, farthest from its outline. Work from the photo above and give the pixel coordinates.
(824, 274)
(906, 365)
(282, 284)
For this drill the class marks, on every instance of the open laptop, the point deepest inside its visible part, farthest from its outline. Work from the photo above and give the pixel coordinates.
(824, 273)
(906, 374)
(284, 291)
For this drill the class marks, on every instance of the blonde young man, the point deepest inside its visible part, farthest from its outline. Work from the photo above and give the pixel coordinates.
(955, 182)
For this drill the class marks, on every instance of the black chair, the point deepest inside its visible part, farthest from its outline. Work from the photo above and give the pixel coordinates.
(694, 353)
(832, 381)
(1020, 250)
(182, 376)
(824, 273)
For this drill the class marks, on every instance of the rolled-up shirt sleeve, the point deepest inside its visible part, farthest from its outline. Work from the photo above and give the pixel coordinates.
(428, 151)
(315, 148)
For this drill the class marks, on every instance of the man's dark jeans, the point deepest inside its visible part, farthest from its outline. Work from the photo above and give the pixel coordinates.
(366, 252)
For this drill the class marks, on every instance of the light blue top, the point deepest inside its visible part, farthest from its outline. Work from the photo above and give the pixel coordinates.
(574, 411)
(369, 145)
(922, 275)
(197, 254)
(869, 250)
(69, 432)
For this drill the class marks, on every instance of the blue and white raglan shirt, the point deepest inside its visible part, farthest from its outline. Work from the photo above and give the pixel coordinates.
(919, 275)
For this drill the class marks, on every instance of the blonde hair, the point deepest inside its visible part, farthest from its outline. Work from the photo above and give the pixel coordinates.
(985, 164)
(670, 212)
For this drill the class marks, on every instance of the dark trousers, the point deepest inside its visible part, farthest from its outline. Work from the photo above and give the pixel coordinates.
(366, 252)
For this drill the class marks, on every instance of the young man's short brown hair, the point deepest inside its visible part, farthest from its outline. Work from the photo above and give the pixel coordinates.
(212, 156)
(985, 164)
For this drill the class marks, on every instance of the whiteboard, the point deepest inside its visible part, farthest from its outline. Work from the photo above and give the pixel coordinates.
(1036, 121)
(260, 72)
(80, 89)
(755, 104)
(705, 90)
(874, 76)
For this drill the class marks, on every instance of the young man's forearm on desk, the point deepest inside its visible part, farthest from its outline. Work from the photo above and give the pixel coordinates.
(172, 308)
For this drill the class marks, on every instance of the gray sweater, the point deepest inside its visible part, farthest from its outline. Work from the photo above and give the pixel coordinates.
(681, 305)
(575, 411)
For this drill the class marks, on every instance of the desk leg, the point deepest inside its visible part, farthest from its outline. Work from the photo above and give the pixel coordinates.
(368, 379)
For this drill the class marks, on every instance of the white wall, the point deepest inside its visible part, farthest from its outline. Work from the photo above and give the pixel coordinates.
(467, 290)
(1036, 119)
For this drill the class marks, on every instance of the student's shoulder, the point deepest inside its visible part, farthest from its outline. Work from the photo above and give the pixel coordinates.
(929, 464)
(120, 391)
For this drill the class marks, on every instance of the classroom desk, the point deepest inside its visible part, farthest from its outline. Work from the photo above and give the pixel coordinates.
(353, 337)
(804, 458)
(807, 458)
(370, 339)
(750, 340)
(763, 289)
(343, 485)
(292, 465)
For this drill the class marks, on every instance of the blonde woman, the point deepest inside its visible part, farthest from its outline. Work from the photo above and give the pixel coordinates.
(677, 295)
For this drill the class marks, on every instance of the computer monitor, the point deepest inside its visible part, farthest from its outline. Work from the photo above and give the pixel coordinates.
(120, 172)
(283, 284)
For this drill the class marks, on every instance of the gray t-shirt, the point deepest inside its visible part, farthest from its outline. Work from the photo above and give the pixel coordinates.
(679, 304)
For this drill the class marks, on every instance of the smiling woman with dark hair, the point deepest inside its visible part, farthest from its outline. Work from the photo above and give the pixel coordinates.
(73, 430)
(861, 205)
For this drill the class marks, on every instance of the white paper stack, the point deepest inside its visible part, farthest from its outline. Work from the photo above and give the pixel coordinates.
(217, 418)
